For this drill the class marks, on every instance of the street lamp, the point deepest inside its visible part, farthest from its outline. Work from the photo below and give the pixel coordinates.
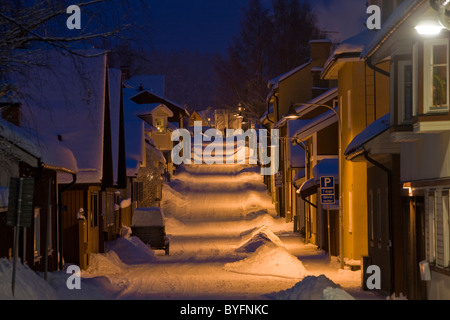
(341, 214)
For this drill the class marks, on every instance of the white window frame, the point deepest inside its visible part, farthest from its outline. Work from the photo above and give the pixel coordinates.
(427, 72)
(415, 75)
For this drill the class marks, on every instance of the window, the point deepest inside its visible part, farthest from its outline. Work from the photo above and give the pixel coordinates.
(37, 233)
(436, 76)
(160, 124)
(406, 90)
(94, 210)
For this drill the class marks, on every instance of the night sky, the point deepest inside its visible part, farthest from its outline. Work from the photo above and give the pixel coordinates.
(209, 25)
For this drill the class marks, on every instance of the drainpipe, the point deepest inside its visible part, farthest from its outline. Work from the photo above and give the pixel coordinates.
(376, 69)
(59, 215)
(390, 217)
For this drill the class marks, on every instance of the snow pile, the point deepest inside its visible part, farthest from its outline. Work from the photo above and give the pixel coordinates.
(173, 201)
(269, 260)
(131, 250)
(95, 288)
(313, 288)
(29, 285)
(331, 293)
(258, 238)
(122, 252)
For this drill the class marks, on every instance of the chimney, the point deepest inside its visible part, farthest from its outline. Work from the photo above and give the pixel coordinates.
(125, 73)
(320, 51)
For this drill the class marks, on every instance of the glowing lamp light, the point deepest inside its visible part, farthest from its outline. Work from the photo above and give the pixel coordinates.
(429, 28)
(292, 114)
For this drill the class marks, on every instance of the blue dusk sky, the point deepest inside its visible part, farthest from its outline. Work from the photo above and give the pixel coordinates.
(209, 25)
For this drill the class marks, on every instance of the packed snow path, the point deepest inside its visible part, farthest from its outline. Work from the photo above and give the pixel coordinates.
(225, 243)
(218, 192)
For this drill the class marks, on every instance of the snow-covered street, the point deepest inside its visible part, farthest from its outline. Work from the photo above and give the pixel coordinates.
(225, 243)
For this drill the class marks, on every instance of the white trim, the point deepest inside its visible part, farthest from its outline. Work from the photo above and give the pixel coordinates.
(431, 126)
(427, 65)
(415, 62)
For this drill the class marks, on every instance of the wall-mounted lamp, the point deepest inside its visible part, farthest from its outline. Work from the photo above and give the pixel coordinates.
(432, 27)
(292, 114)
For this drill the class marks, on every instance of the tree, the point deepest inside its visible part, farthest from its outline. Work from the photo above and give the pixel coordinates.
(295, 25)
(270, 43)
(38, 24)
(243, 74)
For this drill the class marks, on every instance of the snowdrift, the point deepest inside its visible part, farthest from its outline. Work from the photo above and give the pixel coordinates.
(29, 285)
(258, 238)
(313, 288)
(269, 260)
(120, 253)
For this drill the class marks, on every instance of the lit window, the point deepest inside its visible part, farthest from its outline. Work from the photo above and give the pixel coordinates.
(436, 75)
(160, 125)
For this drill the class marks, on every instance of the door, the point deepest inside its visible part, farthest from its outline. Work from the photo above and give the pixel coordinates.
(414, 240)
(93, 230)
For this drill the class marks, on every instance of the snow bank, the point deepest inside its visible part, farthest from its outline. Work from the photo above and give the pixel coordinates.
(258, 238)
(120, 254)
(29, 285)
(312, 288)
(331, 293)
(131, 250)
(172, 200)
(269, 260)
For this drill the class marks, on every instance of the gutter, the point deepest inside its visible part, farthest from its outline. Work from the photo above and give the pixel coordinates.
(376, 69)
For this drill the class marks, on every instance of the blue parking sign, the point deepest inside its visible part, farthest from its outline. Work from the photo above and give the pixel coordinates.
(326, 182)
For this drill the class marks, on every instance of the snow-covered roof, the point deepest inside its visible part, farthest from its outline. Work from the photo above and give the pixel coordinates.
(151, 83)
(373, 130)
(327, 96)
(115, 87)
(293, 71)
(64, 95)
(274, 82)
(327, 168)
(318, 123)
(46, 149)
(348, 49)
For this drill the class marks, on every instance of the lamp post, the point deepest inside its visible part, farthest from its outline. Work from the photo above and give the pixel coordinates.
(291, 115)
